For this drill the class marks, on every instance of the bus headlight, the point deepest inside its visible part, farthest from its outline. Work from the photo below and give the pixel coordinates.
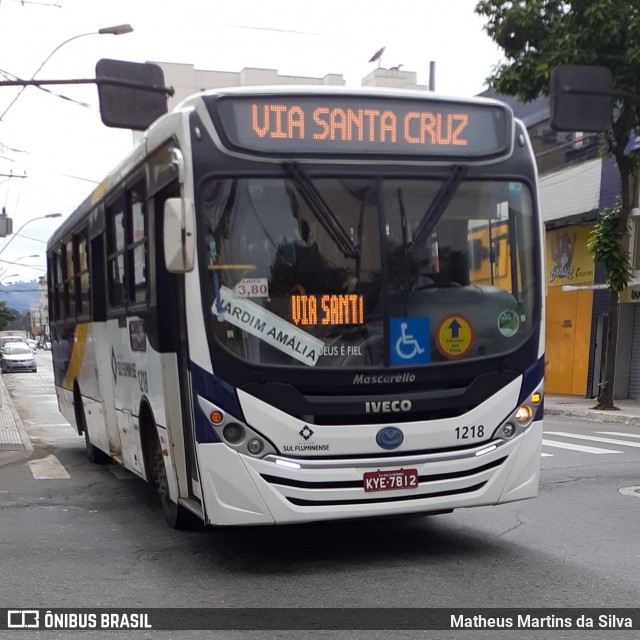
(233, 433)
(522, 418)
(524, 415)
(508, 430)
(255, 446)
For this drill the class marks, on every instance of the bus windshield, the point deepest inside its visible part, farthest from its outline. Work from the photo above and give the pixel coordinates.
(363, 272)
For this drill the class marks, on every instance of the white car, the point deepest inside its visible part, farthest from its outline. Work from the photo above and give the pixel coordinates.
(18, 357)
(5, 340)
(33, 345)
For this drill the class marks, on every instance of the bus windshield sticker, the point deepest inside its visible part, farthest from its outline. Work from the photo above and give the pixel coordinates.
(454, 336)
(508, 323)
(252, 288)
(327, 310)
(267, 326)
(515, 189)
(410, 341)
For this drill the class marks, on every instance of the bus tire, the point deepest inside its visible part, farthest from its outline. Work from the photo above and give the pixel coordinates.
(95, 455)
(176, 516)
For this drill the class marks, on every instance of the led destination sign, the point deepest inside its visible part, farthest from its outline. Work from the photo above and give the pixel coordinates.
(315, 124)
(309, 310)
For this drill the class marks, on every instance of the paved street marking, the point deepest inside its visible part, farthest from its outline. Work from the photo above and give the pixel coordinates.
(594, 438)
(44, 424)
(547, 455)
(630, 491)
(619, 433)
(577, 447)
(48, 468)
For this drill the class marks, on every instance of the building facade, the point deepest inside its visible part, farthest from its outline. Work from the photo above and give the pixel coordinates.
(576, 185)
(39, 313)
(186, 79)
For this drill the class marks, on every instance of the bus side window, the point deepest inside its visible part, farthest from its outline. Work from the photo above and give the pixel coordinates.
(137, 243)
(98, 290)
(116, 279)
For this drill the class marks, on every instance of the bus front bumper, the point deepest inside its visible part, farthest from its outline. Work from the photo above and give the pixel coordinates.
(239, 490)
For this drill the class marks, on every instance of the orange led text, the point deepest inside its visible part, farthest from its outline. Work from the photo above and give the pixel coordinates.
(359, 125)
(327, 310)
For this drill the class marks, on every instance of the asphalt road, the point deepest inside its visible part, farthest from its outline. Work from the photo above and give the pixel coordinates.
(94, 536)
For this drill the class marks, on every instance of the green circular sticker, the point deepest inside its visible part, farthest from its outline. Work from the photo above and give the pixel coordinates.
(508, 323)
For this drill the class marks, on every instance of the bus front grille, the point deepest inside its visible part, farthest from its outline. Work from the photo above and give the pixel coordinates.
(318, 492)
(300, 502)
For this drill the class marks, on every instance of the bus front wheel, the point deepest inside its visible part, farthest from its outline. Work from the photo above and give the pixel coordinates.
(177, 516)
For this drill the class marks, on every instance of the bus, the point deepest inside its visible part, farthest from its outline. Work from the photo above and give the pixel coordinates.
(289, 305)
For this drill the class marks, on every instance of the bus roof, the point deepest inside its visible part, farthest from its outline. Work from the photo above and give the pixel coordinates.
(325, 90)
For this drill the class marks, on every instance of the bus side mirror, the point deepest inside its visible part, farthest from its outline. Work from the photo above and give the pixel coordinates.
(179, 235)
(580, 98)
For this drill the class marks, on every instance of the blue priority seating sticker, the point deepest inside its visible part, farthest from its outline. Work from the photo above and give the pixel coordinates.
(410, 341)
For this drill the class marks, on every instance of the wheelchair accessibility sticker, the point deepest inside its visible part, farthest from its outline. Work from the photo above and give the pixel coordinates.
(410, 338)
(454, 336)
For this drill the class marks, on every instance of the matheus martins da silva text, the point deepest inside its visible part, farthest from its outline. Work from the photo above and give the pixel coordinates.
(579, 621)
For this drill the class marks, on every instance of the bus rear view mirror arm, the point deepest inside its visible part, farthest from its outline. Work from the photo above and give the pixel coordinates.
(179, 235)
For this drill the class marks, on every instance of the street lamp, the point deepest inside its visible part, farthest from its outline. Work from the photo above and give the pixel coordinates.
(17, 233)
(116, 30)
(33, 255)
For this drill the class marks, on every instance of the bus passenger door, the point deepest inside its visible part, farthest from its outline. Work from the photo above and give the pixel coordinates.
(172, 337)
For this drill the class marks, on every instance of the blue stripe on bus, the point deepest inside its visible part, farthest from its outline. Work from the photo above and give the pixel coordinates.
(215, 390)
(531, 378)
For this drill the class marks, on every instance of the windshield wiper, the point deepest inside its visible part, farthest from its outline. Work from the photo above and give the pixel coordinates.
(321, 209)
(438, 205)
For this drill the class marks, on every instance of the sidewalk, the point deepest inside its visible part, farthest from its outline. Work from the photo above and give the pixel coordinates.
(14, 441)
(628, 411)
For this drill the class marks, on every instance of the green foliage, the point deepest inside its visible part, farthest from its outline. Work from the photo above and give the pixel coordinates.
(20, 321)
(607, 247)
(6, 316)
(537, 35)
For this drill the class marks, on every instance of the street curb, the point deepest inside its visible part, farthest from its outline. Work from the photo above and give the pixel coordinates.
(594, 415)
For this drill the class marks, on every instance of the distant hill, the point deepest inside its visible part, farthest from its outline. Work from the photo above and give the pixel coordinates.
(20, 296)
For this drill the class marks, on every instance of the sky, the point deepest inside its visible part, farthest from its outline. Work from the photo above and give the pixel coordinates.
(58, 150)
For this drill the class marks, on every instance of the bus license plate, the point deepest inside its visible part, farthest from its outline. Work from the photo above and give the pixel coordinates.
(391, 480)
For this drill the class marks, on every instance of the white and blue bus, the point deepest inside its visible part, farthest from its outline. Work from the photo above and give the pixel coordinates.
(292, 304)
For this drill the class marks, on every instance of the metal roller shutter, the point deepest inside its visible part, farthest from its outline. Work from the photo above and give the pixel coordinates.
(634, 373)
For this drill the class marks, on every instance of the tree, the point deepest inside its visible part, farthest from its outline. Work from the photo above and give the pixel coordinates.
(20, 321)
(537, 35)
(6, 315)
